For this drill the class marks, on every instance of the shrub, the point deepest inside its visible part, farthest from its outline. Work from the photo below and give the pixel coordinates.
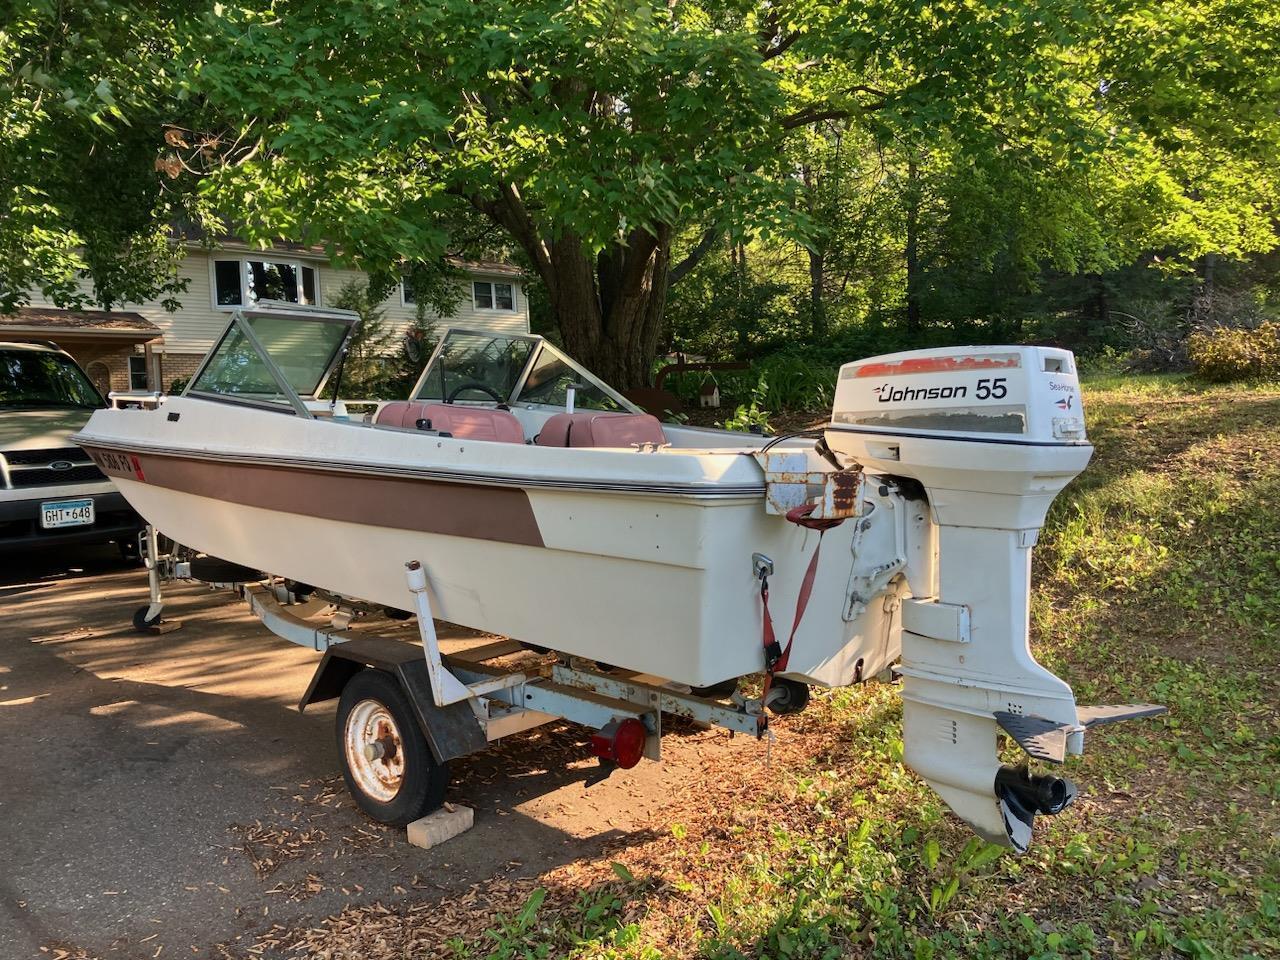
(1237, 354)
(747, 416)
(782, 382)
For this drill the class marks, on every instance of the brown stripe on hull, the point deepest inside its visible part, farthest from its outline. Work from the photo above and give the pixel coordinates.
(430, 506)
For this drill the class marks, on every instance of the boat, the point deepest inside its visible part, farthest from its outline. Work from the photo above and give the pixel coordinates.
(540, 504)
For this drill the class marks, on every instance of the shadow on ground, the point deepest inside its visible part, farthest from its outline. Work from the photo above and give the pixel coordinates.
(165, 791)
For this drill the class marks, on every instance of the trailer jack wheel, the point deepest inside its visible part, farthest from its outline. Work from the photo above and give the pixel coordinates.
(788, 696)
(142, 623)
(386, 761)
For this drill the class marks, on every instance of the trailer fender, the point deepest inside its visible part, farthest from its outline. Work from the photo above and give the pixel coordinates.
(452, 731)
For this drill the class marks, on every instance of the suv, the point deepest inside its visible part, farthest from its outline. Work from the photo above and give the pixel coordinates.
(51, 494)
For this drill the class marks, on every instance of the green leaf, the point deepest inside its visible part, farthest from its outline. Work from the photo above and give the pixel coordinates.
(931, 853)
(530, 909)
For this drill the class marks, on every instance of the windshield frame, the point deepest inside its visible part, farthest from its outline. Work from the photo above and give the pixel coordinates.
(67, 361)
(277, 310)
(540, 344)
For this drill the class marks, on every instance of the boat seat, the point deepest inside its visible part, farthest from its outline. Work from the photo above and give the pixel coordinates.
(467, 423)
(600, 430)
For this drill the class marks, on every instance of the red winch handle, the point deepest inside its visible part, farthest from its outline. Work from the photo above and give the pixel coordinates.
(776, 657)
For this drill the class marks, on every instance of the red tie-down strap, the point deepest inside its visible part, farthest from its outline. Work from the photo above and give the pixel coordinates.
(776, 656)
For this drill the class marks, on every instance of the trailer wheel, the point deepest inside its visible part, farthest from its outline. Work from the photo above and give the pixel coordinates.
(386, 762)
(788, 696)
(140, 621)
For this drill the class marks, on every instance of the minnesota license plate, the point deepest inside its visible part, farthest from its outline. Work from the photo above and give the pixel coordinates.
(66, 513)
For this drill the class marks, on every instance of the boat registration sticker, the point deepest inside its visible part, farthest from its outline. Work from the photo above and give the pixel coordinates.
(66, 513)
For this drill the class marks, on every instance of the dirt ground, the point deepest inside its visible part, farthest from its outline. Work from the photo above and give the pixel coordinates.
(161, 796)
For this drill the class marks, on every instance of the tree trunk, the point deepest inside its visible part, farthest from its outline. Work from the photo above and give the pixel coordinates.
(817, 264)
(610, 312)
(1208, 309)
(817, 303)
(1102, 306)
(742, 321)
(912, 250)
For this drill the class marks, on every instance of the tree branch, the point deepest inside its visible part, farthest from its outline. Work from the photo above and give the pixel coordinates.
(510, 212)
(781, 47)
(802, 118)
(640, 247)
(821, 111)
(710, 237)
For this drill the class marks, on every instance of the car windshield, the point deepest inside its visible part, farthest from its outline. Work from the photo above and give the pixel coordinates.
(475, 367)
(36, 378)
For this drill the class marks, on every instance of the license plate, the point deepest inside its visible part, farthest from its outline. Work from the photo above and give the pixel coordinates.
(66, 513)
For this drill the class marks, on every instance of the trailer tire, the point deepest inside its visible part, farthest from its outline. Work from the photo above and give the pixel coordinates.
(217, 570)
(789, 696)
(716, 691)
(140, 621)
(386, 762)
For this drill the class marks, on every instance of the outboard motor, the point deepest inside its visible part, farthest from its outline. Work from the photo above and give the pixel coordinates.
(992, 434)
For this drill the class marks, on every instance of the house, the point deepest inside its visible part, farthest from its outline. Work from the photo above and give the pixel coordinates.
(146, 347)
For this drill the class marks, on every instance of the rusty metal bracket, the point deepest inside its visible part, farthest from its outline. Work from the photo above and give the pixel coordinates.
(794, 478)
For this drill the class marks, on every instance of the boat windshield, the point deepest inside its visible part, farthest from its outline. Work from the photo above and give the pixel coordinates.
(260, 355)
(473, 366)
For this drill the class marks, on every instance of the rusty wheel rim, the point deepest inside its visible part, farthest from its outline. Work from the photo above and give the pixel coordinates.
(374, 750)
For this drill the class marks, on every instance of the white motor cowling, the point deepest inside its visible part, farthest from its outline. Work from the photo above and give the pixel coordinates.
(992, 434)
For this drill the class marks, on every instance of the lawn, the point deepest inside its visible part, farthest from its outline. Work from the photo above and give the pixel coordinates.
(1156, 579)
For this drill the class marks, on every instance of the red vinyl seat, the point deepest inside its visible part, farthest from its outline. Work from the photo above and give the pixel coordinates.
(467, 423)
(595, 429)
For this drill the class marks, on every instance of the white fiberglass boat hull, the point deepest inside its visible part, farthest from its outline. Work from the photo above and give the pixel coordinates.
(640, 560)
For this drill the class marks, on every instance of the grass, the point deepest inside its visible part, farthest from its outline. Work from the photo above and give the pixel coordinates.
(1157, 579)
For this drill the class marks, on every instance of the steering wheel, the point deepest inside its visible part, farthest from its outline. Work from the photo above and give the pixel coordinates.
(474, 385)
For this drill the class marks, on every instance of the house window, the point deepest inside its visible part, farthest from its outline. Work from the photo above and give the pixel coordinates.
(242, 282)
(492, 296)
(407, 296)
(228, 288)
(138, 373)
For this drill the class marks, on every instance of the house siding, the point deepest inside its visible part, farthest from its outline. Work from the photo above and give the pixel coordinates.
(399, 316)
(193, 328)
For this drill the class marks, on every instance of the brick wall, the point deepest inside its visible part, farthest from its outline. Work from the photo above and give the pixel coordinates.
(93, 359)
(176, 366)
(165, 367)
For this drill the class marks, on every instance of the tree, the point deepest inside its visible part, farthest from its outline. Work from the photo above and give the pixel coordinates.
(84, 90)
(595, 132)
(589, 132)
(617, 143)
(365, 370)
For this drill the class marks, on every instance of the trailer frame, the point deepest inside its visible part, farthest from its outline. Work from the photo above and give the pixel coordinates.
(462, 701)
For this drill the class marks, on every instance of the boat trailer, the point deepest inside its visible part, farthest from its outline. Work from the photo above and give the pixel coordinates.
(415, 708)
